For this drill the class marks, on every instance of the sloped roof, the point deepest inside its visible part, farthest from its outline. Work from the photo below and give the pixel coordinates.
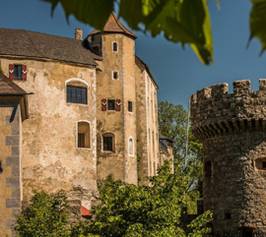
(143, 66)
(113, 25)
(22, 43)
(7, 87)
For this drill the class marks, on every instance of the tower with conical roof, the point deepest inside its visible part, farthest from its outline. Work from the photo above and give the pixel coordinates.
(116, 104)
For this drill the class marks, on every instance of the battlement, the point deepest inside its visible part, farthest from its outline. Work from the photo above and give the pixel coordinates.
(215, 111)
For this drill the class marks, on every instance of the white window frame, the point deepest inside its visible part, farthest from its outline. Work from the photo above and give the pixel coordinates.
(133, 146)
(86, 84)
(115, 42)
(114, 145)
(113, 75)
(76, 135)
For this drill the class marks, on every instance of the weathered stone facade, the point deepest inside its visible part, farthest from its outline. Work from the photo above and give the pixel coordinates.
(44, 151)
(232, 129)
(10, 163)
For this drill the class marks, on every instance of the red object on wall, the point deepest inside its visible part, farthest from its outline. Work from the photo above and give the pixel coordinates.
(85, 212)
(118, 105)
(104, 104)
(24, 72)
(11, 71)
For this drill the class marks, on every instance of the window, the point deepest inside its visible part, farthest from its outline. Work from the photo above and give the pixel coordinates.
(208, 169)
(18, 72)
(76, 94)
(261, 164)
(115, 47)
(130, 146)
(108, 142)
(83, 135)
(111, 104)
(130, 106)
(115, 75)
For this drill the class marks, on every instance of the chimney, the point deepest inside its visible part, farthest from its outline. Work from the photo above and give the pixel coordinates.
(78, 34)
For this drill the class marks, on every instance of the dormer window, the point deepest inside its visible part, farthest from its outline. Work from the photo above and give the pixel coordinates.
(115, 47)
(115, 75)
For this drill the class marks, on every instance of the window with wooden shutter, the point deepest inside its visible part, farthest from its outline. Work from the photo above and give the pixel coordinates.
(11, 71)
(104, 104)
(118, 105)
(24, 72)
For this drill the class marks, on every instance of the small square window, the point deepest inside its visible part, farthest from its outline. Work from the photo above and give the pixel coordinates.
(18, 72)
(227, 216)
(130, 106)
(111, 105)
(115, 75)
(115, 47)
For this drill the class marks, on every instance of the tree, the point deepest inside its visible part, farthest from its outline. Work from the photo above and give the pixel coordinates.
(158, 210)
(180, 21)
(173, 123)
(46, 216)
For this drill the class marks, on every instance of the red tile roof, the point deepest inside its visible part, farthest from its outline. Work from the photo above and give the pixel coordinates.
(113, 25)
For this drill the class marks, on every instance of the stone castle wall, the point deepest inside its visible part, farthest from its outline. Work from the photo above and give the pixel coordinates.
(51, 159)
(232, 128)
(10, 161)
(120, 123)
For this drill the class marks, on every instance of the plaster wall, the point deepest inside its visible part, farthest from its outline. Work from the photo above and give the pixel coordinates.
(51, 160)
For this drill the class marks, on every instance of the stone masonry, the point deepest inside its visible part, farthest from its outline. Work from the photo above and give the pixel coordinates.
(232, 128)
(10, 194)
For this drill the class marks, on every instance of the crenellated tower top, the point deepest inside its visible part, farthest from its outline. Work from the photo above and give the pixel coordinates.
(215, 111)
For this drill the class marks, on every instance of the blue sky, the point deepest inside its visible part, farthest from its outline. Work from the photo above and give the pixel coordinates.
(178, 72)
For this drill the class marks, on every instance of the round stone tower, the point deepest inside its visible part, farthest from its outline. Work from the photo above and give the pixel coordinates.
(232, 128)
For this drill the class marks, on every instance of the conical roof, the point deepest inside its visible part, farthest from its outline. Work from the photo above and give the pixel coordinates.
(113, 25)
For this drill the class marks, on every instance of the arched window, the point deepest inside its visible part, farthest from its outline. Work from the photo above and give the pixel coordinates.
(130, 146)
(83, 136)
(76, 92)
(108, 142)
(115, 47)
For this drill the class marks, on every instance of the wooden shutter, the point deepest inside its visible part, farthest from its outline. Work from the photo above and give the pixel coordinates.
(11, 71)
(24, 72)
(118, 105)
(104, 104)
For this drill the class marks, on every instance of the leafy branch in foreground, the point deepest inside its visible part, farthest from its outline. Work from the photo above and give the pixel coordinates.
(180, 21)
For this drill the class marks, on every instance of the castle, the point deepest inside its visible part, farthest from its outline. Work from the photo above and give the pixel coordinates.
(72, 112)
(232, 127)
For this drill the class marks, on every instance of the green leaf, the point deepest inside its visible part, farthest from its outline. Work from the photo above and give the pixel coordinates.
(258, 22)
(182, 21)
(94, 13)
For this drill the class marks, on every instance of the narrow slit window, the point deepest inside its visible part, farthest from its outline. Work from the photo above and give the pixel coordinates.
(115, 47)
(130, 106)
(115, 75)
(131, 146)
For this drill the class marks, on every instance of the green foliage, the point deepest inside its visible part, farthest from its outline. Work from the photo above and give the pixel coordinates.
(258, 22)
(173, 123)
(183, 21)
(46, 216)
(146, 211)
